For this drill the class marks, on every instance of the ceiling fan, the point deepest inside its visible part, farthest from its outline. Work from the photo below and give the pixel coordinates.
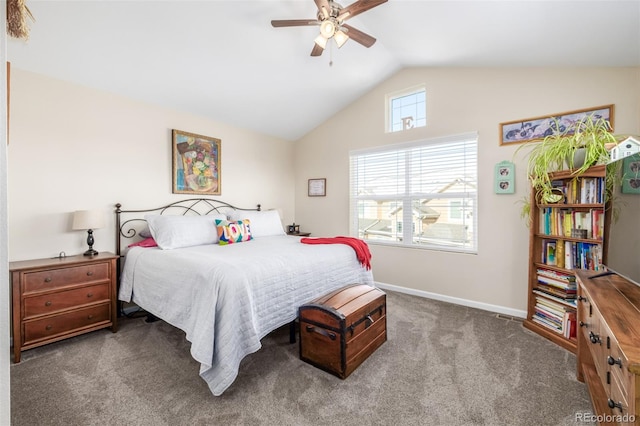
(331, 18)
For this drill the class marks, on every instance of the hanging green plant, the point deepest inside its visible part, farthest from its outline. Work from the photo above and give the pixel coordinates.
(581, 145)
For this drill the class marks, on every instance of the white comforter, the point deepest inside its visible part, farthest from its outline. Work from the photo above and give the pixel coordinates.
(227, 298)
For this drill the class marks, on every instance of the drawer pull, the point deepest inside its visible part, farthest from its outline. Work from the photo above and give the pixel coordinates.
(90, 316)
(612, 404)
(594, 338)
(326, 333)
(47, 303)
(581, 298)
(89, 273)
(47, 280)
(612, 361)
(90, 295)
(583, 324)
(48, 327)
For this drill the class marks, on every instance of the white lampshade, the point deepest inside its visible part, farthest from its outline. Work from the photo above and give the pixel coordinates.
(340, 38)
(88, 219)
(321, 41)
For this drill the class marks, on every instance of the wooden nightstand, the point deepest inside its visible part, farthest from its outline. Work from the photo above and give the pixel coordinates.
(54, 299)
(299, 234)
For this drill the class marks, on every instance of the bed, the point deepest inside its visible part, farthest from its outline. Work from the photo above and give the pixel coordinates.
(225, 296)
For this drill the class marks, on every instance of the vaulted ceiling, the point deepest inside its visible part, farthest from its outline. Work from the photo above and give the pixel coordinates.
(224, 60)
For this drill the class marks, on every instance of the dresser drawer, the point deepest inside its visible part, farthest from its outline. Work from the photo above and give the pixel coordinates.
(64, 323)
(620, 370)
(56, 278)
(55, 302)
(618, 400)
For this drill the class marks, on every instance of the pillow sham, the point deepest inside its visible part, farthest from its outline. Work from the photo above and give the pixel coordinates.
(172, 231)
(233, 232)
(147, 242)
(263, 223)
(145, 232)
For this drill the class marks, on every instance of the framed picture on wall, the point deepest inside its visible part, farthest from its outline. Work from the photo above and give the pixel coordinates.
(537, 128)
(196, 164)
(631, 174)
(504, 179)
(317, 187)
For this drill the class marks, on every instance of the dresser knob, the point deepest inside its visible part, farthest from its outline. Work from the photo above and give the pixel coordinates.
(612, 361)
(594, 338)
(90, 295)
(47, 280)
(48, 327)
(90, 317)
(47, 303)
(612, 404)
(89, 273)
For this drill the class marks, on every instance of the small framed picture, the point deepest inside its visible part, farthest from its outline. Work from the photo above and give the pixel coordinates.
(504, 178)
(631, 175)
(317, 187)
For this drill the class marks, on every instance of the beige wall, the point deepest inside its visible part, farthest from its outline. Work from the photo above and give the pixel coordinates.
(73, 148)
(463, 100)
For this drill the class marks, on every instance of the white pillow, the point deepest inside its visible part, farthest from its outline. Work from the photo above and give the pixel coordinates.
(171, 231)
(263, 223)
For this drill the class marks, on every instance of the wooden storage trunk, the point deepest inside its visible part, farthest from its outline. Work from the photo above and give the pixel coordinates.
(340, 330)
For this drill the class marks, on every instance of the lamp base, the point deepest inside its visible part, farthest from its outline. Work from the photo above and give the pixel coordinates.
(90, 252)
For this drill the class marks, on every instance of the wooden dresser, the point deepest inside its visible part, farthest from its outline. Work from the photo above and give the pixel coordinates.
(54, 299)
(609, 346)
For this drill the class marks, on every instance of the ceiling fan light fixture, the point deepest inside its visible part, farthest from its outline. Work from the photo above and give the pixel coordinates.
(327, 28)
(341, 38)
(321, 41)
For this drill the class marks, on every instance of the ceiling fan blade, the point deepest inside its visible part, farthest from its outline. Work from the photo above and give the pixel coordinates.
(358, 7)
(293, 22)
(317, 50)
(356, 35)
(323, 6)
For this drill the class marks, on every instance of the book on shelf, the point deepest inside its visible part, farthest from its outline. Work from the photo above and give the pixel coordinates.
(568, 255)
(562, 221)
(569, 303)
(554, 315)
(588, 190)
(549, 252)
(557, 283)
(569, 325)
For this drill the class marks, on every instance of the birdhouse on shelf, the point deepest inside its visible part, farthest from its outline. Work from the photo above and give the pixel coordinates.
(625, 148)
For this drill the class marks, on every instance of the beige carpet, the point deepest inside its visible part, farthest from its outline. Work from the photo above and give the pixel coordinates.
(442, 365)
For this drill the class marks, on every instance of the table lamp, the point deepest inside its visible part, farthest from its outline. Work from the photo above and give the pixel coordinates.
(89, 220)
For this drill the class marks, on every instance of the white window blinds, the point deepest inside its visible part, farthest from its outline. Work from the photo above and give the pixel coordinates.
(422, 194)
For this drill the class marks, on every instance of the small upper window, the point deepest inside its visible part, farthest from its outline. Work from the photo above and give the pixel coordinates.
(407, 109)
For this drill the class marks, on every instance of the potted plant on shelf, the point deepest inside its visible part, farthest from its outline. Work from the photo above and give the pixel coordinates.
(580, 145)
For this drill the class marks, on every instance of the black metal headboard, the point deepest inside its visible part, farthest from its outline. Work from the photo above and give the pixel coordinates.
(130, 222)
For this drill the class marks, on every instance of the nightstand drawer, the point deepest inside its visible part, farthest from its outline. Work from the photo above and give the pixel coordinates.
(64, 323)
(63, 277)
(54, 302)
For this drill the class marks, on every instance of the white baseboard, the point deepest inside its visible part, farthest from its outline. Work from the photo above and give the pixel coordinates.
(455, 300)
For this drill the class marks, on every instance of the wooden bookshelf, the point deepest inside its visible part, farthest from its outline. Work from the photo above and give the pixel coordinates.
(569, 235)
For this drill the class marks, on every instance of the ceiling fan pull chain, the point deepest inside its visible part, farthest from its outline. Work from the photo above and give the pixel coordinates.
(331, 55)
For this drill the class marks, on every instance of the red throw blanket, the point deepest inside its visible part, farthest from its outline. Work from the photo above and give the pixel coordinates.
(359, 246)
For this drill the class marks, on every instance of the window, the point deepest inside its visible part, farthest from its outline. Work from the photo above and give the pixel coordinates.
(407, 109)
(430, 184)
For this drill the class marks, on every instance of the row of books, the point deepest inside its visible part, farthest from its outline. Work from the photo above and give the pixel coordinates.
(564, 222)
(572, 254)
(555, 316)
(588, 190)
(557, 286)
